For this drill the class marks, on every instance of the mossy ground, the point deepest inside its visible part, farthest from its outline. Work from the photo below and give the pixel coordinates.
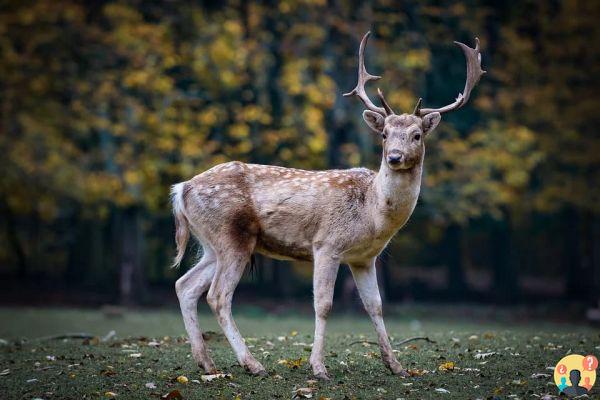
(75, 369)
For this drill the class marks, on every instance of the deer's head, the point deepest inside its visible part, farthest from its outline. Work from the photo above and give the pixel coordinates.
(403, 135)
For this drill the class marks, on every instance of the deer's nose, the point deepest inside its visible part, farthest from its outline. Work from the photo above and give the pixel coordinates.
(395, 157)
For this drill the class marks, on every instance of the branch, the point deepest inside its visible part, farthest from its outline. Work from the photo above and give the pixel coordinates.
(397, 344)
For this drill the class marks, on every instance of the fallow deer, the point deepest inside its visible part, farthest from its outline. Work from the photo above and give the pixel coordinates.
(327, 217)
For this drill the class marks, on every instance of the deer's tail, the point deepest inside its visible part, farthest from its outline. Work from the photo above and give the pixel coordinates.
(182, 228)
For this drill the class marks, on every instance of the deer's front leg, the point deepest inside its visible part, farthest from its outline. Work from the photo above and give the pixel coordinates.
(365, 277)
(325, 272)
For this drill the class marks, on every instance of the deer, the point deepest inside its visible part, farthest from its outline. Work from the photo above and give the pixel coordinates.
(327, 217)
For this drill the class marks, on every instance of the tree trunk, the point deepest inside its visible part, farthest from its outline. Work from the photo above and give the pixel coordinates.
(457, 286)
(13, 238)
(575, 262)
(131, 276)
(505, 286)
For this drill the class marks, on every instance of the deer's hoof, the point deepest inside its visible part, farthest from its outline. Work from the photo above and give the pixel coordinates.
(256, 370)
(261, 372)
(208, 367)
(324, 376)
(401, 372)
(397, 369)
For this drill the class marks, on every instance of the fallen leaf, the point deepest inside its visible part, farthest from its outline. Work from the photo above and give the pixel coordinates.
(447, 366)
(5, 372)
(173, 395)
(182, 379)
(107, 372)
(540, 375)
(150, 385)
(292, 364)
(483, 356)
(416, 372)
(109, 336)
(303, 393)
(110, 395)
(473, 337)
(441, 390)
(51, 358)
(135, 355)
(31, 380)
(212, 377)
(93, 341)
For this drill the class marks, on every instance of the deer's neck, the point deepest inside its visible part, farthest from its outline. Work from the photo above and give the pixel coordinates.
(395, 195)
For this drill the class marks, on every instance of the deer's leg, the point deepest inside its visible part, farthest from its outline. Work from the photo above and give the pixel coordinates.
(325, 272)
(365, 277)
(189, 289)
(230, 268)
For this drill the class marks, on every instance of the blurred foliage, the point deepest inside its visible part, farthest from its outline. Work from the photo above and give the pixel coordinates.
(107, 103)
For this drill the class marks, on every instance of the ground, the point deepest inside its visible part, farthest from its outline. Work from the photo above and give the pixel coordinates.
(149, 356)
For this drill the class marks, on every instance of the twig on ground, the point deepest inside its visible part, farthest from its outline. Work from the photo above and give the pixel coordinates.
(77, 335)
(425, 338)
(361, 342)
(74, 335)
(397, 344)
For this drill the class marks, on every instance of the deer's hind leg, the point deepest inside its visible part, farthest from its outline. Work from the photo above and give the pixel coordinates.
(231, 262)
(193, 284)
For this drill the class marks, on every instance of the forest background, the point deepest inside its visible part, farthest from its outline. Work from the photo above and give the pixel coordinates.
(105, 104)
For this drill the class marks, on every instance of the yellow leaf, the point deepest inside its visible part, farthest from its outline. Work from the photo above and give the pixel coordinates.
(447, 366)
(182, 379)
(292, 364)
(416, 372)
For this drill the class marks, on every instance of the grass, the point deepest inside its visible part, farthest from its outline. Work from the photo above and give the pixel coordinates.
(75, 369)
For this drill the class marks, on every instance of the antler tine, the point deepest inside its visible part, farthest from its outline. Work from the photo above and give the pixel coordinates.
(417, 109)
(474, 72)
(364, 77)
(386, 106)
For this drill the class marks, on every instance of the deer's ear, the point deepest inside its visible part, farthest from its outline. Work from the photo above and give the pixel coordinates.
(430, 121)
(374, 120)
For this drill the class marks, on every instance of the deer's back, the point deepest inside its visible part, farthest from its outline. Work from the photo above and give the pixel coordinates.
(285, 209)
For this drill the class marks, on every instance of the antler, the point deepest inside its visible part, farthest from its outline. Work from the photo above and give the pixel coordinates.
(474, 73)
(364, 77)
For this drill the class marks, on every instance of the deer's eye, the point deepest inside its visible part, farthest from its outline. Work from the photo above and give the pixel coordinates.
(383, 135)
(417, 137)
